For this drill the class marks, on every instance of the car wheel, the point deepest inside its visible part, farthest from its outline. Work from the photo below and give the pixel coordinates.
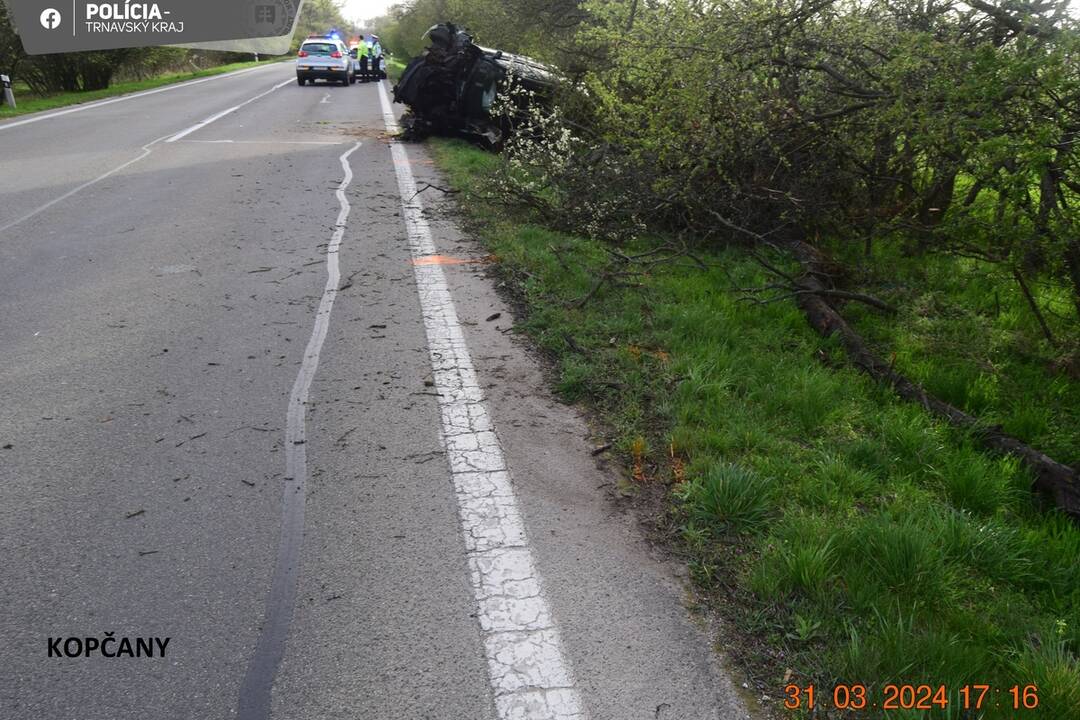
(300, 81)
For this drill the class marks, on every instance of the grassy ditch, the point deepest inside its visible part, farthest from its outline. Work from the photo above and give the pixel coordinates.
(965, 332)
(849, 537)
(27, 103)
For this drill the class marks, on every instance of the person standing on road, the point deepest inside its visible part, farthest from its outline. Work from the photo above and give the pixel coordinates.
(361, 55)
(376, 58)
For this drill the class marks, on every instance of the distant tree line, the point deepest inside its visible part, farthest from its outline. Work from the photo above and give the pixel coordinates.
(536, 27)
(320, 16)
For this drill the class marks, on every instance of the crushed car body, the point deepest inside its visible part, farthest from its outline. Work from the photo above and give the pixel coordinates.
(452, 86)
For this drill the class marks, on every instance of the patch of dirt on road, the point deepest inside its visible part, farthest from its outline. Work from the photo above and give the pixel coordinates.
(359, 130)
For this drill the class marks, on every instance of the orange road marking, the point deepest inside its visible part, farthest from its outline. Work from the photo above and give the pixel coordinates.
(442, 260)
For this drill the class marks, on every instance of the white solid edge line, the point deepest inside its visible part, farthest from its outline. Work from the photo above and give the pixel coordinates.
(530, 675)
(125, 98)
(262, 142)
(217, 116)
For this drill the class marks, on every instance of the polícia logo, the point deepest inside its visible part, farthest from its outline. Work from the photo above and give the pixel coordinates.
(50, 19)
(130, 18)
(123, 11)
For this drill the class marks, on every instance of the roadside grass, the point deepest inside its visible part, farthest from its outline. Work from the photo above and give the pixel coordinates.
(394, 68)
(27, 103)
(966, 333)
(847, 536)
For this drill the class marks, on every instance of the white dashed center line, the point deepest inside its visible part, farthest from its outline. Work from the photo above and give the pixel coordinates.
(214, 118)
(124, 98)
(529, 674)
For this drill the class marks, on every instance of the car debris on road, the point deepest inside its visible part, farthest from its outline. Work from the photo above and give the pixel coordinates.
(452, 86)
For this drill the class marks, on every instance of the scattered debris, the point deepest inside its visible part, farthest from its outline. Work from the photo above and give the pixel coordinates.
(345, 285)
(601, 449)
(496, 316)
(135, 514)
(429, 186)
(424, 456)
(252, 427)
(193, 437)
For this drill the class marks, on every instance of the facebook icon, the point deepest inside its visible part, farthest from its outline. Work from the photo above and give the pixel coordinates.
(50, 19)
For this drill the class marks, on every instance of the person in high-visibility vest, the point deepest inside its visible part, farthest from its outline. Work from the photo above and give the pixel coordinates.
(361, 55)
(368, 63)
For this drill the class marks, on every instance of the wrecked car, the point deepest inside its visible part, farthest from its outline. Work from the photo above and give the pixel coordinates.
(451, 87)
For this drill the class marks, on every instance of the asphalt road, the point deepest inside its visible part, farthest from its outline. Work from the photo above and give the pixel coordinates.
(208, 437)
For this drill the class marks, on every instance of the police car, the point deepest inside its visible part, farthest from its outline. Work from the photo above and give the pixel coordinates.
(326, 58)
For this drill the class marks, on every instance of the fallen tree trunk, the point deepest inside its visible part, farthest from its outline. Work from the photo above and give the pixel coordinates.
(1058, 481)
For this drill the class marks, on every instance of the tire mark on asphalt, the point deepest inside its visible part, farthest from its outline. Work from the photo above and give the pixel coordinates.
(255, 691)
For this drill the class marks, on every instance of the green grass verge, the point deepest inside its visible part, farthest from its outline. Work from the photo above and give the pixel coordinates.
(847, 536)
(394, 67)
(27, 103)
(967, 334)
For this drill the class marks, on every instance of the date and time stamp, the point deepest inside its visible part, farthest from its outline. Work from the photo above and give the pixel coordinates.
(858, 697)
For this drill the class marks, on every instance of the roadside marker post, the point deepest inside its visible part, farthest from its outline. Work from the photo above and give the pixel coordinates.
(9, 96)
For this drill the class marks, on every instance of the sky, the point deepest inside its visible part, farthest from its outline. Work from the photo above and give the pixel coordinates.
(360, 10)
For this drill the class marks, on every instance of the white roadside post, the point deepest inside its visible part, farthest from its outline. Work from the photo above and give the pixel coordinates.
(9, 96)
